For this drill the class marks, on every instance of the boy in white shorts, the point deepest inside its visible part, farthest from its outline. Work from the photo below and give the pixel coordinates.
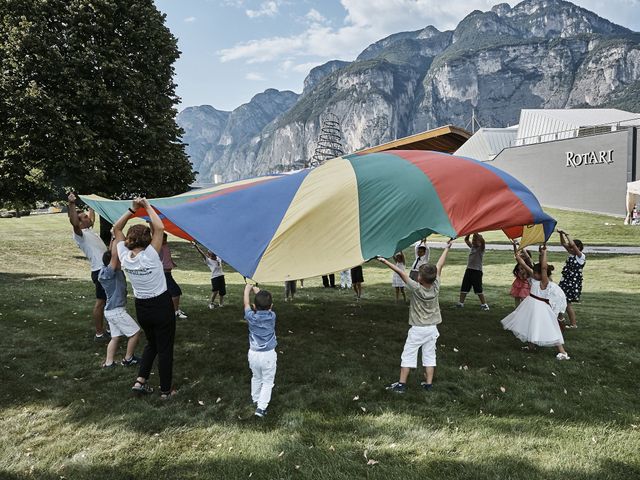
(112, 279)
(424, 316)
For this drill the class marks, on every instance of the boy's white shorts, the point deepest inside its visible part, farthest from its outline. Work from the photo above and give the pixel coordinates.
(420, 337)
(121, 322)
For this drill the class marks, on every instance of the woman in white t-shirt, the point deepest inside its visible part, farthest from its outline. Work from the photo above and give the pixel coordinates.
(139, 255)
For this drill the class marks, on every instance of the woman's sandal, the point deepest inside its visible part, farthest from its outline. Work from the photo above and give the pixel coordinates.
(141, 388)
(168, 395)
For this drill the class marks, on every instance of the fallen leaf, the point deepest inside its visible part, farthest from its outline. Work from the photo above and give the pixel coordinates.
(371, 461)
(357, 397)
(565, 391)
(201, 403)
(551, 411)
(297, 467)
(455, 349)
(332, 448)
(593, 439)
(250, 474)
(553, 374)
(281, 454)
(502, 389)
(218, 400)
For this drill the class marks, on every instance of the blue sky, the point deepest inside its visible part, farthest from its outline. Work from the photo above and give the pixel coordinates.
(233, 49)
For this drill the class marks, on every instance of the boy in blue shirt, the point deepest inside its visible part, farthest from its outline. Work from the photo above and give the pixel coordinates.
(113, 281)
(262, 346)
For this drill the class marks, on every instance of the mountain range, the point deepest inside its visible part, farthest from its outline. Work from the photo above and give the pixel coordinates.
(537, 54)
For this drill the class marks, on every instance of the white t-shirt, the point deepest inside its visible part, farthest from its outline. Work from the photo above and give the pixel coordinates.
(144, 270)
(215, 266)
(92, 246)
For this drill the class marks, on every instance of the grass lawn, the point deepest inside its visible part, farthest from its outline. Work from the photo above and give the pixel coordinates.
(495, 412)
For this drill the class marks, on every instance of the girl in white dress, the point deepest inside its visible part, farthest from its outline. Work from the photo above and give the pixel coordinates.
(396, 281)
(536, 319)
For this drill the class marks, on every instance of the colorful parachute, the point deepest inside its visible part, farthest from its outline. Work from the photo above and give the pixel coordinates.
(349, 210)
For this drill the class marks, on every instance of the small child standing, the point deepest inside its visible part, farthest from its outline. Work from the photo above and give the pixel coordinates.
(571, 281)
(172, 286)
(357, 279)
(520, 288)
(473, 273)
(218, 284)
(113, 281)
(422, 258)
(345, 279)
(290, 287)
(424, 317)
(396, 280)
(262, 344)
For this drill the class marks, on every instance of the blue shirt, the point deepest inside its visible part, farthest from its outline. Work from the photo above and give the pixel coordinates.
(262, 329)
(115, 286)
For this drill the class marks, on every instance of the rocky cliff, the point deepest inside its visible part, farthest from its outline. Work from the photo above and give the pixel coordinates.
(540, 53)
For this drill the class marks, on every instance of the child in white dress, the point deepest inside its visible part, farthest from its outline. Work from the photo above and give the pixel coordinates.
(396, 280)
(536, 319)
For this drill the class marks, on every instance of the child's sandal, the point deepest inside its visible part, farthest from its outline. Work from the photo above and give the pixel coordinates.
(141, 388)
(168, 395)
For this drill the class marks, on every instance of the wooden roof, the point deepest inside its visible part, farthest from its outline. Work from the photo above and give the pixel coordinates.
(442, 139)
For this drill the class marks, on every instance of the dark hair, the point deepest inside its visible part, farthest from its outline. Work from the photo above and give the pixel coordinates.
(138, 236)
(399, 257)
(428, 273)
(106, 258)
(578, 244)
(263, 300)
(537, 268)
(423, 246)
(515, 270)
(164, 237)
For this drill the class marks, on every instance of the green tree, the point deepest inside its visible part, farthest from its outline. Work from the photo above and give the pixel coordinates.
(87, 101)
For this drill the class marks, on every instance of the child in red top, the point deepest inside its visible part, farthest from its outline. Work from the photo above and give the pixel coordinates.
(520, 288)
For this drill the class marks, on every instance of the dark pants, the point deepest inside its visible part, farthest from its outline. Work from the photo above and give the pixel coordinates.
(329, 281)
(158, 320)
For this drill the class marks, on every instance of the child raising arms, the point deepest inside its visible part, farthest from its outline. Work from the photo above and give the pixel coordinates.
(424, 316)
(571, 281)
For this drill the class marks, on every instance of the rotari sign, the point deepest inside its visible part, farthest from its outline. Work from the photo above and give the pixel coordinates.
(589, 158)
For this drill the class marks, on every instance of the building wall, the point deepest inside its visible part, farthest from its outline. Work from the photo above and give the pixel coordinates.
(596, 182)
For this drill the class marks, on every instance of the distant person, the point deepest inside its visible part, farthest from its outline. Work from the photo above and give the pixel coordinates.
(422, 252)
(424, 317)
(263, 359)
(473, 274)
(112, 279)
(345, 279)
(357, 279)
(218, 283)
(172, 286)
(93, 248)
(139, 254)
(290, 290)
(571, 281)
(329, 281)
(535, 321)
(396, 279)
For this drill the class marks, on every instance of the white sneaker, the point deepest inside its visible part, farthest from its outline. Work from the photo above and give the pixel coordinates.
(484, 307)
(180, 314)
(220, 305)
(211, 306)
(562, 356)
(459, 305)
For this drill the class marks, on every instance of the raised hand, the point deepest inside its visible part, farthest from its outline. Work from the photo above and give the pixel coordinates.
(71, 198)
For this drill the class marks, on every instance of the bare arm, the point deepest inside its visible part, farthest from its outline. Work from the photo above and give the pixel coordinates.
(157, 229)
(400, 272)
(113, 246)
(443, 257)
(118, 227)
(72, 212)
(544, 278)
(247, 291)
(571, 246)
(467, 241)
(523, 264)
(92, 216)
(197, 247)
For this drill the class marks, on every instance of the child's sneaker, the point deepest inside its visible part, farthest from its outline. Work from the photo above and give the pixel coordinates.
(426, 386)
(459, 305)
(180, 314)
(220, 305)
(484, 307)
(111, 365)
(211, 306)
(105, 337)
(397, 387)
(132, 361)
(562, 356)
(261, 412)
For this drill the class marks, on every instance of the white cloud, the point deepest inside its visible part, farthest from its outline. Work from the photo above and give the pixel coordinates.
(266, 9)
(190, 19)
(367, 21)
(254, 77)
(314, 16)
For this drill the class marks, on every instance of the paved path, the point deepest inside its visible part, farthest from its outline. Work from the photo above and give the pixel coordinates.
(602, 249)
